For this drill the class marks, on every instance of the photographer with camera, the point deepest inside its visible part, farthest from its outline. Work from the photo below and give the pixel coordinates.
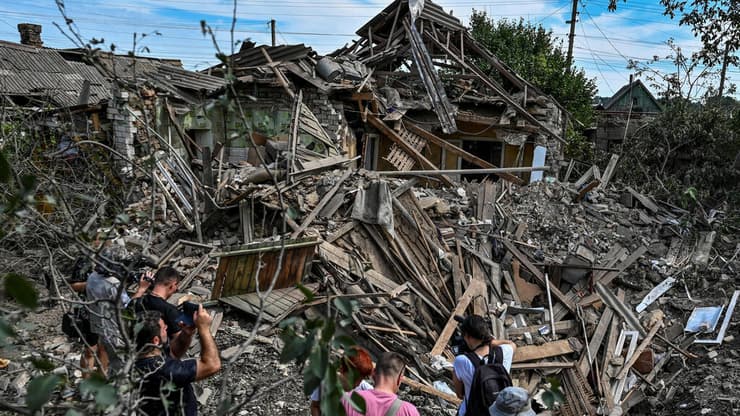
(159, 368)
(103, 289)
(164, 284)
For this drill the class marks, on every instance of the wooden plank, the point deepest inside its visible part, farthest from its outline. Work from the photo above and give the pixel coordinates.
(475, 288)
(344, 229)
(478, 275)
(451, 148)
(595, 342)
(512, 287)
(543, 365)
(325, 200)
(539, 275)
(503, 94)
(586, 189)
(645, 201)
(218, 285)
(391, 134)
(585, 177)
(609, 171)
(339, 257)
(431, 390)
(559, 326)
(609, 276)
(538, 352)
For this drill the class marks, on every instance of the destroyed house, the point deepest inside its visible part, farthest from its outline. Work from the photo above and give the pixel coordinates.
(407, 95)
(626, 111)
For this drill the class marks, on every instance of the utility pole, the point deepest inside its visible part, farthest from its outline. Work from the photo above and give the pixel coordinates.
(272, 31)
(572, 34)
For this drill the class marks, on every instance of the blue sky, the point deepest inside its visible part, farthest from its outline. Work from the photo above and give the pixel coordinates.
(604, 40)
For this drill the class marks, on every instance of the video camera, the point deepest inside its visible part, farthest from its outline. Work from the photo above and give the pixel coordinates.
(130, 268)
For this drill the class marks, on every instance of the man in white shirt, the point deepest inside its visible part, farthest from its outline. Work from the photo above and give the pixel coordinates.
(478, 338)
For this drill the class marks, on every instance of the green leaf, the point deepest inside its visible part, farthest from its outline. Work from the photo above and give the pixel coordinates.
(224, 406)
(343, 341)
(105, 394)
(39, 391)
(294, 348)
(306, 292)
(6, 331)
(22, 290)
(28, 182)
(357, 402)
(5, 170)
(122, 219)
(310, 383)
(42, 364)
(73, 412)
(328, 332)
(319, 361)
(344, 306)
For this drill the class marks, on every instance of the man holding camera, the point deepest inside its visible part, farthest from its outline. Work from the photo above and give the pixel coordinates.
(160, 369)
(164, 285)
(108, 297)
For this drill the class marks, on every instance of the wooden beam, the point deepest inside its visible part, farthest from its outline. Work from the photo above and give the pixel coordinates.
(415, 385)
(396, 138)
(469, 157)
(595, 342)
(559, 326)
(278, 74)
(475, 288)
(325, 200)
(609, 276)
(497, 88)
(538, 352)
(609, 171)
(539, 275)
(543, 365)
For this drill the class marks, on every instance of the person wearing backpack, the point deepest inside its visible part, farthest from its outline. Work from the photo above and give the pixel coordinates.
(480, 374)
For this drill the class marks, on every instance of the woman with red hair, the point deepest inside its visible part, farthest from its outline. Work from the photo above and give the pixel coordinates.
(355, 360)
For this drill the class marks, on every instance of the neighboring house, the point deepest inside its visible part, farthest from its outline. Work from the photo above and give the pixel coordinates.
(138, 104)
(630, 108)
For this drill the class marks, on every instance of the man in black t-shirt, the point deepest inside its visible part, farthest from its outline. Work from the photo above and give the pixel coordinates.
(167, 380)
(164, 286)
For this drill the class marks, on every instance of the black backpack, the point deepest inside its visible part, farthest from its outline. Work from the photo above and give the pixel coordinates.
(488, 380)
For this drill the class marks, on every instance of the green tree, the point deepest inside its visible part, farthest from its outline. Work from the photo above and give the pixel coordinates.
(537, 55)
(717, 24)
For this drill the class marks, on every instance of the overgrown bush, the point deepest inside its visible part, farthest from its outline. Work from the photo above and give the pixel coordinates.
(687, 146)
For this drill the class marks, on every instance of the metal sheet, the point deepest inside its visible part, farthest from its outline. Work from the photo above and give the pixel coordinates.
(704, 319)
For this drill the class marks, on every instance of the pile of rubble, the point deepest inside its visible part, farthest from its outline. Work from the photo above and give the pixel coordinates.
(592, 305)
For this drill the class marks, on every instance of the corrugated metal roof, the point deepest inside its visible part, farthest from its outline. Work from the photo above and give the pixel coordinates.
(254, 57)
(43, 72)
(61, 74)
